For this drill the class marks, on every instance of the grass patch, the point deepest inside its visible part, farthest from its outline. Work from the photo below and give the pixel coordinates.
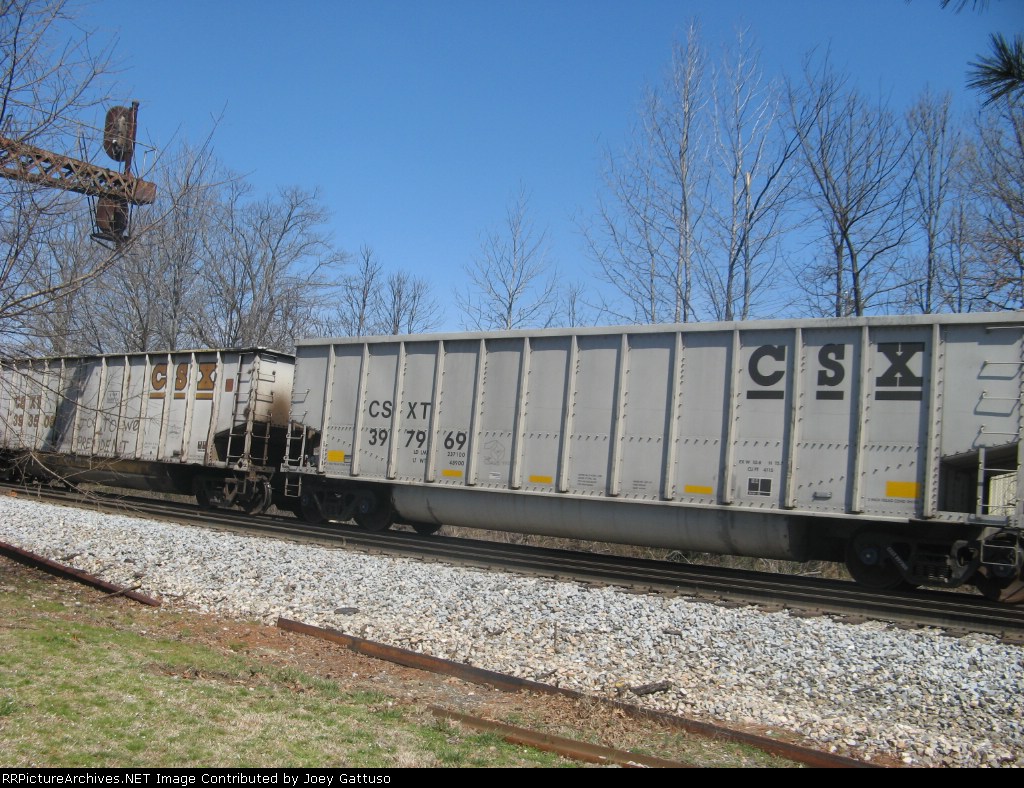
(85, 693)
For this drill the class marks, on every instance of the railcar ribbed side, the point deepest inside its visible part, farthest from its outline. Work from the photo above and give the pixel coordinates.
(207, 422)
(892, 443)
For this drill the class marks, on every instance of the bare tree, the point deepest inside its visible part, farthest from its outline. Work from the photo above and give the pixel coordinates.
(52, 71)
(373, 301)
(406, 305)
(854, 155)
(936, 154)
(266, 267)
(576, 305)
(127, 308)
(190, 186)
(646, 237)
(958, 262)
(51, 75)
(150, 301)
(511, 282)
(996, 169)
(626, 242)
(359, 298)
(753, 172)
(211, 267)
(66, 324)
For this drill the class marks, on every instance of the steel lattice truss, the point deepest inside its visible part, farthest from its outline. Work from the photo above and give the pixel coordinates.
(22, 162)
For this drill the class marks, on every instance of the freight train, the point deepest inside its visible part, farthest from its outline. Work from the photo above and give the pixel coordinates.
(892, 444)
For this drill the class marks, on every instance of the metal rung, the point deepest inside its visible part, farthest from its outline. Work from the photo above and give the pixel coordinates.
(984, 395)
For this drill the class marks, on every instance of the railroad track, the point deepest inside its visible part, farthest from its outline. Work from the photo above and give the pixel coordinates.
(957, 613)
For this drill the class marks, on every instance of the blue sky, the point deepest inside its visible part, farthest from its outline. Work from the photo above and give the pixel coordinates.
(418, 121)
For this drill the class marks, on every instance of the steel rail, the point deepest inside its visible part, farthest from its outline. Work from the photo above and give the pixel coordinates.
(505, 683)
(71, 573)
(958, 613)
(569, 748)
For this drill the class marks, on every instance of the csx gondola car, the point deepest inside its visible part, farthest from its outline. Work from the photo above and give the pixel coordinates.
(209, 423)
(892, 443)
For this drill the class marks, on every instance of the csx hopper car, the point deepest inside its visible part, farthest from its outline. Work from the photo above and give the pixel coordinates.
(209, 423)
(889, 443)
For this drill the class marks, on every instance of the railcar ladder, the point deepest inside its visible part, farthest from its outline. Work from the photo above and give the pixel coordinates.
(293, 483)
(292, 486)
(996, 499)
(238, 431)
(990, 505)
(249, 438)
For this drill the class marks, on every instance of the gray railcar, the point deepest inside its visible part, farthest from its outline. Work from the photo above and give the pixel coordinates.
(207, 422)
(892, 443)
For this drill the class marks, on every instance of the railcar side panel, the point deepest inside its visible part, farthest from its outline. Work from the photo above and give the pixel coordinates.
(760, 430)
(459, 389)
(896, 419)
(642, 431)
(989, 363)
(897, 385)
(545, 407)
(703, 415)
(202, 408)
(154, 381)
(494, 435)
(827, 421)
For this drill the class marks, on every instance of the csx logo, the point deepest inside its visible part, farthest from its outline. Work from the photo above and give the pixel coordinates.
(160, 377)
(901, 377)
(385, 408)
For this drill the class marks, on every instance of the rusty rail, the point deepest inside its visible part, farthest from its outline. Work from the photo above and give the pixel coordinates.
(569, 748)
(500, 681)
(70, 573)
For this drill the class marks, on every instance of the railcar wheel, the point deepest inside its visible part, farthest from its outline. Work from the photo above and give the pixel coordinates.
(309, 510)
(871, 565)
(1009, 592)
(259, 501)
(203, 497)
(1013, 594)
(425, 529)
(374, 514)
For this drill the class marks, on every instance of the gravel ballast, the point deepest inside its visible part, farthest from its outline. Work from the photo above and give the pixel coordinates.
(865, 690)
